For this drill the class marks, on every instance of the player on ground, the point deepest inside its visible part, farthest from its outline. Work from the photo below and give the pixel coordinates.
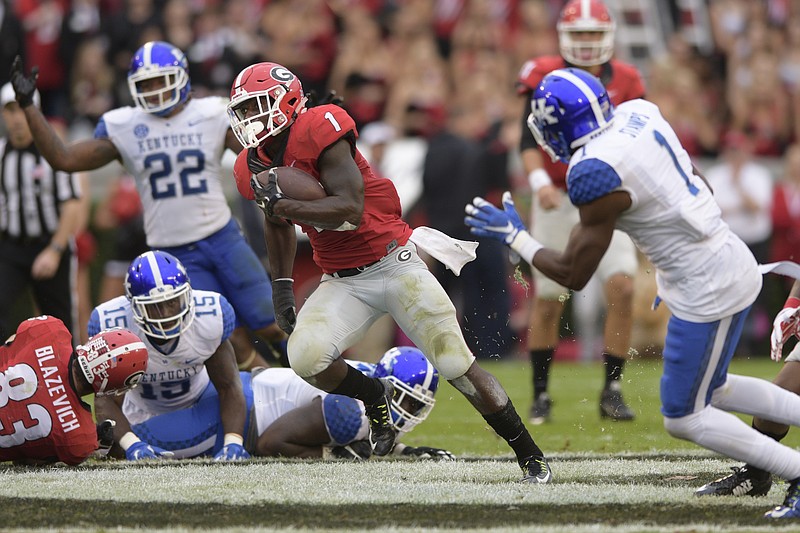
(362, 245)
(628, 170)
(586, 40)
(750, 480)
(290, 418)
(42, 381)
(172, 144)
(186, 334)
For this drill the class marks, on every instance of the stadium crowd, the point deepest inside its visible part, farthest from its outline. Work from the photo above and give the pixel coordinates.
(421, 67)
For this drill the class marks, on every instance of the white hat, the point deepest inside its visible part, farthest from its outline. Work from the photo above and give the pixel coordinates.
(7, 95)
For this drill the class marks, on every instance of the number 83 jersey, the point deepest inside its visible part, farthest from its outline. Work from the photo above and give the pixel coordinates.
(673, 218)
(177, 165)
(176, 374)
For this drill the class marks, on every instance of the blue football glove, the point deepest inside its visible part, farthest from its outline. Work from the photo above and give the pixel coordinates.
(142, 450)
(486, 220)
(232, 452)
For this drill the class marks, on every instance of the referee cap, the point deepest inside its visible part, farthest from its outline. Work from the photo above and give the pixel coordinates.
(7, 95)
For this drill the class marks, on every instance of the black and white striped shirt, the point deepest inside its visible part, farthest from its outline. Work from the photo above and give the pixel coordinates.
(31, 193)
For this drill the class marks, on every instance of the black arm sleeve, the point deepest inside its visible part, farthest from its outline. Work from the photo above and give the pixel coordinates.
(526, 139)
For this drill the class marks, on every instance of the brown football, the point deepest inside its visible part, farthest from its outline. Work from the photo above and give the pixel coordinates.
(295, 183)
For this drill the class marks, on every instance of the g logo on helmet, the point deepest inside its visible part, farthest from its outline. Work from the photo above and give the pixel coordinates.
(281, 74)
(134, 379)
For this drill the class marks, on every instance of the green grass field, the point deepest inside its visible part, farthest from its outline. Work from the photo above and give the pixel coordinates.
(620, 477)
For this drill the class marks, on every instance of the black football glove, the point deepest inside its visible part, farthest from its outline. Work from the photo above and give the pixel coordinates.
(331, 98)
(266, 195)
(359, 450)
(426, 452)
(105, 437)
(283, 301)
(24, 86)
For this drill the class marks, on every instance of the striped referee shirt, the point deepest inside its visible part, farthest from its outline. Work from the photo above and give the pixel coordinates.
(31, 193)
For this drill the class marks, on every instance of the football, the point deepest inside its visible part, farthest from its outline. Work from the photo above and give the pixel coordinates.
(295, 183)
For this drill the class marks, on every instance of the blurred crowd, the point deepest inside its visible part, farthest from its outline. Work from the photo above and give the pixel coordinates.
(415, 69)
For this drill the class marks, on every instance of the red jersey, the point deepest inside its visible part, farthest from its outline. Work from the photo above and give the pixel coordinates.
(381, 230)
(622, 81)
(41, 416)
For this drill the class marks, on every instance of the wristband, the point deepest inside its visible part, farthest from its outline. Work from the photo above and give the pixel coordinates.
(398, 448)
(283, 279)
(526, 246)
(539, 178)
(128, 440)
(792, 302)
(233, 438)
(245, 364)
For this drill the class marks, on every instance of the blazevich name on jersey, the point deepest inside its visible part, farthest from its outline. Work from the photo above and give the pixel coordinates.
(55, 385)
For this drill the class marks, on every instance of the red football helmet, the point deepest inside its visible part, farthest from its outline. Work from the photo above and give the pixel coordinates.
(265, 100)
(113, 361)
(586, 33)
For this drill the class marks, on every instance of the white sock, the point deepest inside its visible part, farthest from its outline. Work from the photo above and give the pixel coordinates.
(758, 397)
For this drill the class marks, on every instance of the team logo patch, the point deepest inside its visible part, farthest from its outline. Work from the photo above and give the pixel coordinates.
(141, 131)
(281, 74)
(403, 256)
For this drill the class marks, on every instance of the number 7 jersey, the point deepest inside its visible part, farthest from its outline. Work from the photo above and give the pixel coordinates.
(177, 165)
(703, 270)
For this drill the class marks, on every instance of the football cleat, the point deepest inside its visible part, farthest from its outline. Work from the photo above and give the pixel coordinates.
(382, 433)
(540, 410)
(536, 470)
(613, 406)
(358, 450)
(791, 504)
(745, 481)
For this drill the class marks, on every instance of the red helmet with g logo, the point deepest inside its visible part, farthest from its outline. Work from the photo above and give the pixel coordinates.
(586, 17)
(113, 361)
(265, 100)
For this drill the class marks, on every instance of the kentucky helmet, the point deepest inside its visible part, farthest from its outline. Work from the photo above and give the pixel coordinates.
(160, 294)
(415, 381)
(158, 78)
(569, 107)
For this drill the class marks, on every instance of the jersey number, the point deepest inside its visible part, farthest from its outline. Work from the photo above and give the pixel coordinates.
(660, 139)
(17, 384)
(169, 389)
(193, 162)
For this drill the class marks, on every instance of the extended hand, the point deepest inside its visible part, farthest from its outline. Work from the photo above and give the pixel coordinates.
(232, 452)
(426, 452)
(283, 302)
(266, 195)
(486, 220)
(786, 324)
(24, 86)
(142, 450)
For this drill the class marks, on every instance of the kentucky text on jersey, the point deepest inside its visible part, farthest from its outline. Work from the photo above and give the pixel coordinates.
(55, 385)
(172, 375)
(178, 140)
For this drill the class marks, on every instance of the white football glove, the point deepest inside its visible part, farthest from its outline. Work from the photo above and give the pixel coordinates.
(785, 325)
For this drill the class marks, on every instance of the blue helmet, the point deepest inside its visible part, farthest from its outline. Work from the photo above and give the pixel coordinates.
(569, 107)
(155, 60)
(160, 294)
(415, 381)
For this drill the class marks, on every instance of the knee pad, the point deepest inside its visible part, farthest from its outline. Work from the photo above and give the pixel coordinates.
(450, 354)
(685, 427)
(309, 354)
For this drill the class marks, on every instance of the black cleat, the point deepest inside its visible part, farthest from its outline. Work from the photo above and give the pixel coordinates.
(359, 450)
(743, 482)
(613, 406)
(536, 470)
(381, 430)
(540, 410)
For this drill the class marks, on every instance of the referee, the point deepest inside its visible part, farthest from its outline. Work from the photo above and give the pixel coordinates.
(40, 213)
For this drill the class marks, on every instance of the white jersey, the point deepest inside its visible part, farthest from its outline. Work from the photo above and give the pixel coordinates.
(704, 271)
(276, 391)
(174, 380)
(176, 163)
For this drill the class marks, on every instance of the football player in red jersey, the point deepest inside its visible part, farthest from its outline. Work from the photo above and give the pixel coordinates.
(361, 243)
(586, 40)
(42, 381)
